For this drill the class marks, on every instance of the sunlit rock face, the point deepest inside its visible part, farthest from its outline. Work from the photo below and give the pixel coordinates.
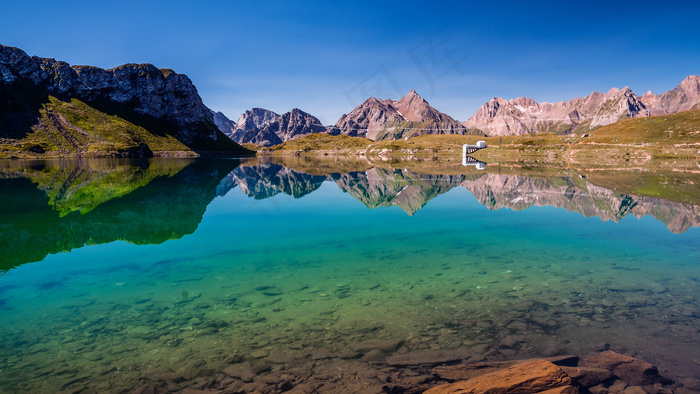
(266, 128)
(684, 97)
(524, 115)
(388, 119)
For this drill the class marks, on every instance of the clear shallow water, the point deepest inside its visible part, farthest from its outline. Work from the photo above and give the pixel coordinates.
(188, 271)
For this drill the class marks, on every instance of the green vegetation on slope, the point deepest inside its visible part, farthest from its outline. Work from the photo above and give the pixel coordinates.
(34, 124)
(322, 142)
(679, 128)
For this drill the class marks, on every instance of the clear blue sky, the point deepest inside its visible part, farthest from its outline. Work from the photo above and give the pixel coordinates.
(325, 57)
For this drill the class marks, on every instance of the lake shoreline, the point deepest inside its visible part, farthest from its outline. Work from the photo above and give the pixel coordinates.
(371, 370)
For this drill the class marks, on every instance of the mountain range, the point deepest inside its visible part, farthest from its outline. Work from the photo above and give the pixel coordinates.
(524, 115)
(386, 119)
(138, 109)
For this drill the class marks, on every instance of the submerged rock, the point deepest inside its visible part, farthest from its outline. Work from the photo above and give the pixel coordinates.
(386, 346)
(430, 357)
(634, 371)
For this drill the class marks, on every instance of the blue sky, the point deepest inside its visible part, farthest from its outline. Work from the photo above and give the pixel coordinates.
(327, 57)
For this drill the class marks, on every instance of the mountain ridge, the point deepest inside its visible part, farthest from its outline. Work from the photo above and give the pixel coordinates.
(134, 109)
(411, 115)
(581, 114)
(266, 128)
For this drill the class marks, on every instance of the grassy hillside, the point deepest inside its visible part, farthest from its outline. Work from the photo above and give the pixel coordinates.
(33, 124)
(628, 142)
(680, 128)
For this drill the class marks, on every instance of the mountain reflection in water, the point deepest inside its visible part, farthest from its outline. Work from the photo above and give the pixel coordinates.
(55, 206)
(51, 206)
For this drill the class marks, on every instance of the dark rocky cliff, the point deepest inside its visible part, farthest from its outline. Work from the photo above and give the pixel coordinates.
(160, 101)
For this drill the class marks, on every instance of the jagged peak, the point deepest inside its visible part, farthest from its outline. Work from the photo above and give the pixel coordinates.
(12, 49)
(84, 67)
(496, 101)
(260, 110)
(691, 82)
(300, 113)
(137, 66)
(524, 101)
(413, 96)
(167, 72)
(370, 102)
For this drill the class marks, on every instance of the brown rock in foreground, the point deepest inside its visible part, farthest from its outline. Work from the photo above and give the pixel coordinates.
(629, 369)
(473, 370)
(531, 377)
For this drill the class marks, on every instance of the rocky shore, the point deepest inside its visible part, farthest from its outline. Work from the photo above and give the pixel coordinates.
(374, 367)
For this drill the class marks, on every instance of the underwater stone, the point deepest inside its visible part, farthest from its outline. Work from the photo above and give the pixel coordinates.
(374, 356)
(242, 371)
(633, 390)
(269, 290)
(430, 357)
(518, 326)
(630, 369)
(319, 354)
(387, 345)
(260, 353)
(588, 377)
(507, 343)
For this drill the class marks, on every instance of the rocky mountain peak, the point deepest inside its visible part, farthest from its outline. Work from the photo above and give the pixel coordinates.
(412, 95)
(691, 85)
(226, 125)
(524, 115)
(415, 108)
(388, 119)
(266, 128)
(626, 91)
(254, 118)
(684, 97)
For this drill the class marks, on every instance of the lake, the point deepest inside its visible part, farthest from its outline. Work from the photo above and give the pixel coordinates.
(125, 274)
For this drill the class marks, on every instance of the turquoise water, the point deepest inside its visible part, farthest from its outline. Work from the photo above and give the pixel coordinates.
(212, 261)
